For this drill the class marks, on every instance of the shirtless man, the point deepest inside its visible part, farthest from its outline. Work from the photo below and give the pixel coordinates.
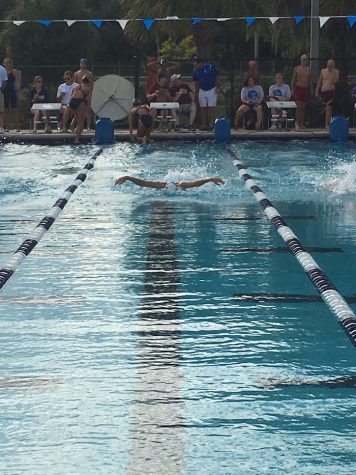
(301, 85)
(165, 185)
(329, 76)
(83, 71)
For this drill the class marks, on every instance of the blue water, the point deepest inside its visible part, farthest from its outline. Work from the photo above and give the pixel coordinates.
(123, 349)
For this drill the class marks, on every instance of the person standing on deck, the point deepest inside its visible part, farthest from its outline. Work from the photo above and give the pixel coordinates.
(3, 80)
(12, 94)
(301, 85)
(82, 72)
(207, 88)
(329, 76)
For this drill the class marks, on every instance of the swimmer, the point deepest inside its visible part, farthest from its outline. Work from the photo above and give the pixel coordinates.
(145, 116)
(164, 185)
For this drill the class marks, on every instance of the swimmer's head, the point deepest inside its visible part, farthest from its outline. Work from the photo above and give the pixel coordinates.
(303, 58)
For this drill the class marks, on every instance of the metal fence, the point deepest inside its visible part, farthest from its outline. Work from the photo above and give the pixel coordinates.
(232, 76)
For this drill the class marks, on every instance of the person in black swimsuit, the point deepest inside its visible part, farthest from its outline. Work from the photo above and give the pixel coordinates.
(144, 115)
(79, 104)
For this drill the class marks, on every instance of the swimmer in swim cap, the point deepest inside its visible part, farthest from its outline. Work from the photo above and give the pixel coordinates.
(162, 185)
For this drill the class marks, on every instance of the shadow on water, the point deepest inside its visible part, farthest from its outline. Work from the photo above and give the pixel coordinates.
(156, 415)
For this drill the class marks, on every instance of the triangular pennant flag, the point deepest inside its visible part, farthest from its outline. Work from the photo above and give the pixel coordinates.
(223, 19)
(18, 23)
(123, 23)
(273, 19)
(351, 20)
(250, 19)
(97, 23)
(70, 22)
(148, 23)
(323, 20)
(45, 22)
(172, 18)
(298, 19)
(195, 21)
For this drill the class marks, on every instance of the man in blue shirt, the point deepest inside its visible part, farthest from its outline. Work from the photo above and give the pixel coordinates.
(207, 87)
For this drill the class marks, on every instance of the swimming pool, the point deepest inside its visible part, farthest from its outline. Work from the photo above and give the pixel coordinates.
(132, 339)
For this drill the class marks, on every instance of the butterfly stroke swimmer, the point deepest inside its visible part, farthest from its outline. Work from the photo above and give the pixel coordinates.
(161, 185)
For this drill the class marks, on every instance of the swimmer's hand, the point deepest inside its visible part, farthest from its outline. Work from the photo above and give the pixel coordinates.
(121, 180)
(217, 180)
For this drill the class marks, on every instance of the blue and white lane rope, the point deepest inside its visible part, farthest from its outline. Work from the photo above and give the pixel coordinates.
(320, 280)
(43, 226)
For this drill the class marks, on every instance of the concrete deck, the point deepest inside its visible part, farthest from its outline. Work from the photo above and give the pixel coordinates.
(122, 135)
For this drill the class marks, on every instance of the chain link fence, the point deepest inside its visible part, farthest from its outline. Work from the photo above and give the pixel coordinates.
(232, 76)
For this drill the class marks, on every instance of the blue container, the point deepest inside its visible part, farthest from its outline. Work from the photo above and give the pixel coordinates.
(222, 130)
(104, 131)
(339, 129)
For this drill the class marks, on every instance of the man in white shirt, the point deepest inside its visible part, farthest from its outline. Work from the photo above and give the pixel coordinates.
(64, 94)
(3, 79)
(279, 92)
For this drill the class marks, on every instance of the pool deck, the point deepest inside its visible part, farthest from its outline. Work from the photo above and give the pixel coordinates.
(122, 135)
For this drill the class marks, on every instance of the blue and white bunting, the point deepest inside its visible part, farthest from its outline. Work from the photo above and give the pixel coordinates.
(148, 22)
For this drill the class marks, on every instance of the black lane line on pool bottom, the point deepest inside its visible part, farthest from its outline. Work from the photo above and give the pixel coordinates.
(319, 279)
(44, 225)
(285, 298)
(279, 249)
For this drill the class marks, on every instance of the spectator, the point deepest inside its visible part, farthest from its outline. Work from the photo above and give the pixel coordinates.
(251, 98)
(279, 92)
(82, 72)
(156, 66)
(252, 71)
(78, 105)
(353, 93)
(3, 80)
(183, 94)
(301, 85)
(207, 87)
(64, 94)
(159, 91)
(329, 76)
(12, 94)
(38, 95)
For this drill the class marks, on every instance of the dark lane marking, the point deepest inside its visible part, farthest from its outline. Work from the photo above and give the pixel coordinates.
(332, 383)
(256, 218)
(280, 249)
(156, 414)
(284, 298)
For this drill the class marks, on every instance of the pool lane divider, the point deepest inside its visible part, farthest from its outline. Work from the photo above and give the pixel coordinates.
(8, 270)
(319, 279)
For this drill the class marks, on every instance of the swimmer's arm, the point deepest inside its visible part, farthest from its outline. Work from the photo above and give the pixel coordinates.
(193, 184)
(139, 182)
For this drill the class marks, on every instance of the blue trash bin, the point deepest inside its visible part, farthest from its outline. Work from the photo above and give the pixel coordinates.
(339, 129)
(104, 131)
(222, 130)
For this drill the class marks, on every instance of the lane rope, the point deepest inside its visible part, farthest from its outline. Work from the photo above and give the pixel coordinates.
(44, 225)
(319, 279)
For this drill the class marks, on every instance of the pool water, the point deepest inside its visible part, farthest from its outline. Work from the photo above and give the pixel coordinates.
(140, 336)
